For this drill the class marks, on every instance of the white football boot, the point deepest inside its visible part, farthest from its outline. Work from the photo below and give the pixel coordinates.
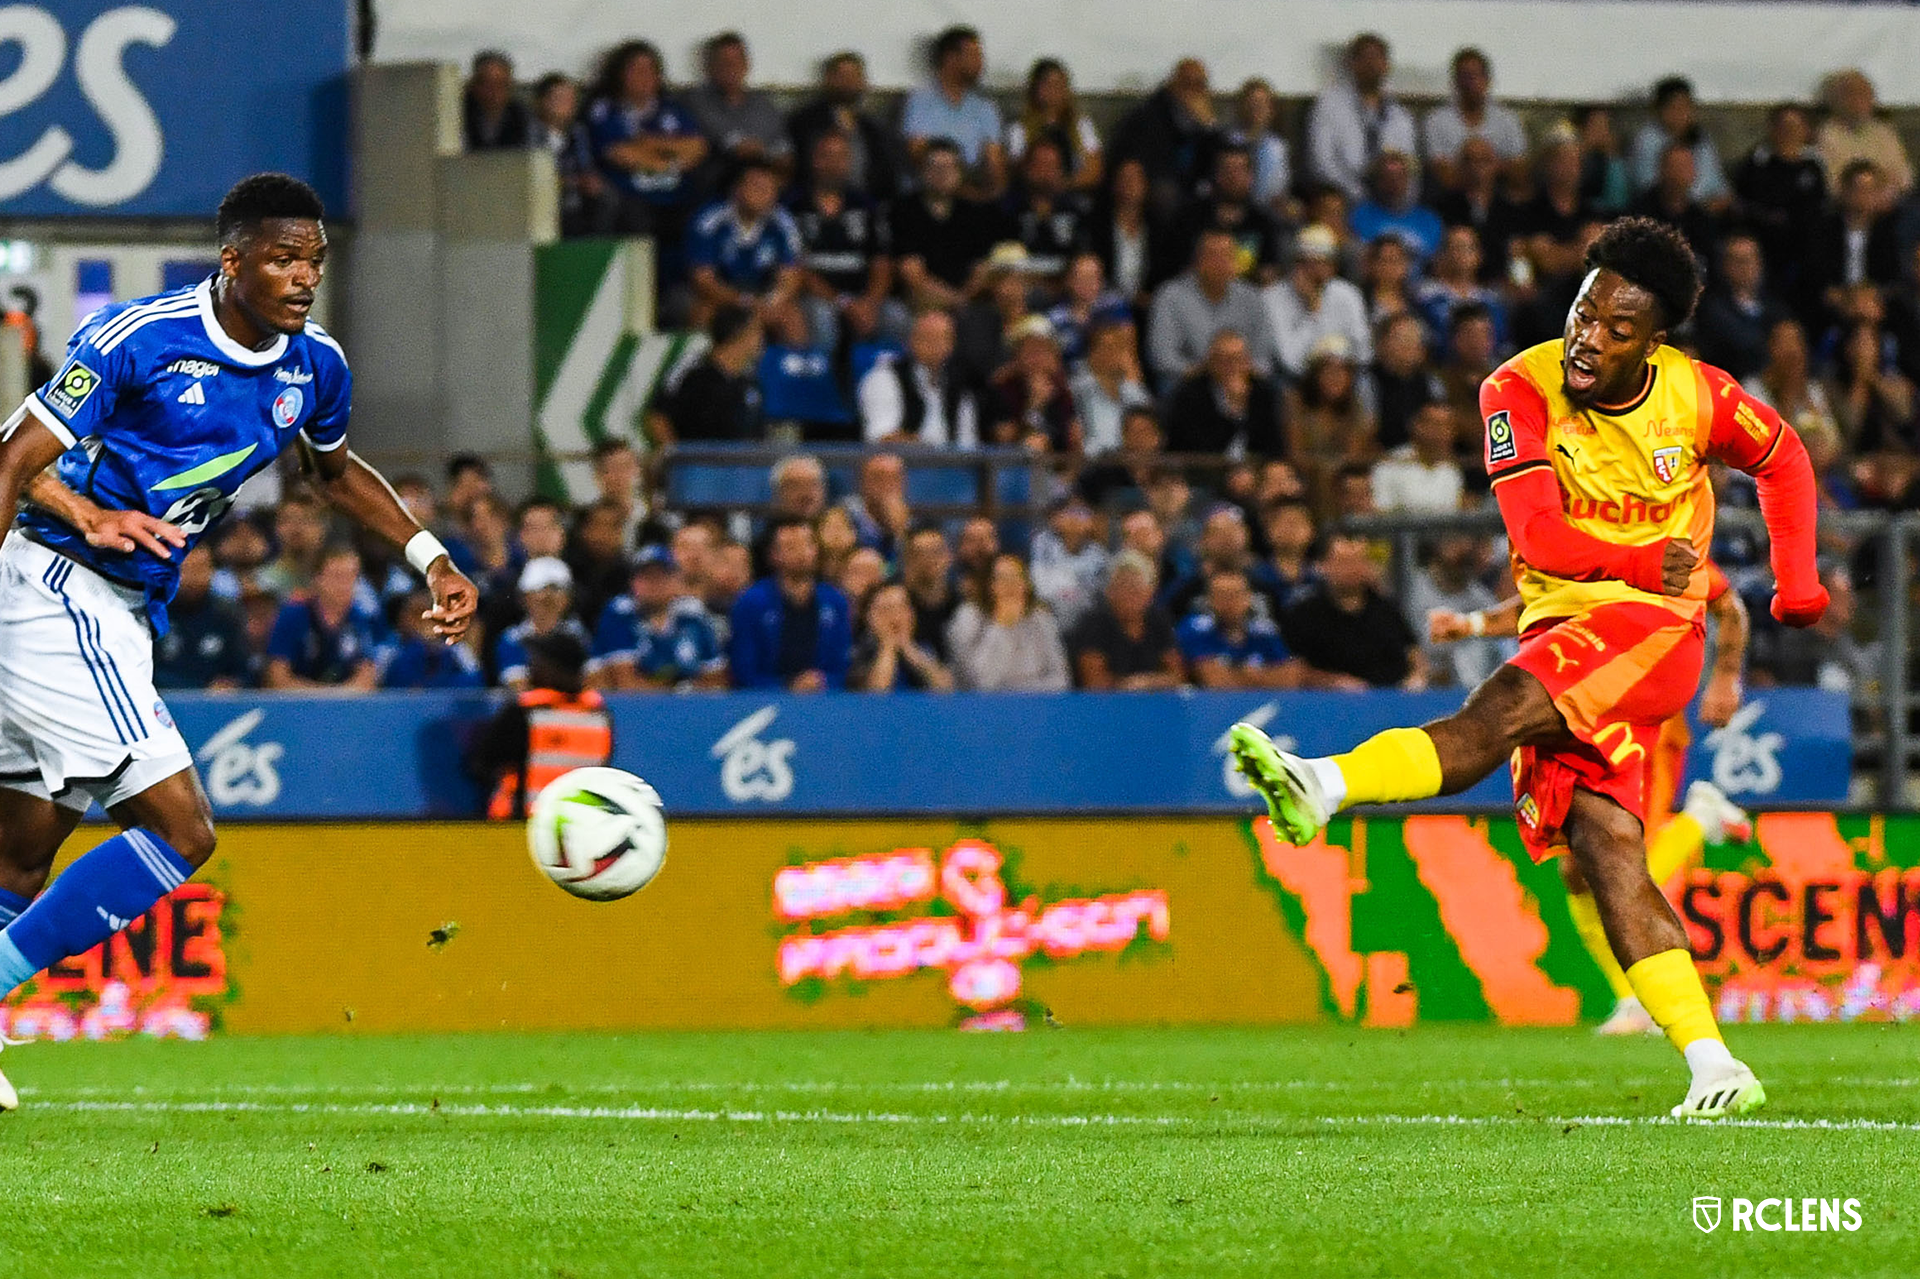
(1718, 1094)
(1629, 1017)
(1724, 821)
(1295, 799)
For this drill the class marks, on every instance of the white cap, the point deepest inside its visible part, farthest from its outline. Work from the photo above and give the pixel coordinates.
(546, 571)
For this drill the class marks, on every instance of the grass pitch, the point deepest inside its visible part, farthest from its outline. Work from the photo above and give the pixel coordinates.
(1438, 1152)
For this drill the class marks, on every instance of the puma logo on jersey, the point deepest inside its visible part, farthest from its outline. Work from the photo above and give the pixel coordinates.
(1560, 660)
(192, 395)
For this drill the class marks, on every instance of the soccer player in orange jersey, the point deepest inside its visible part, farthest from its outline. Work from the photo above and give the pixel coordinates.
(1597, 446)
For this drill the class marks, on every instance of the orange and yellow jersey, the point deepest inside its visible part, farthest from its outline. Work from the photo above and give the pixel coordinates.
(1629, 474)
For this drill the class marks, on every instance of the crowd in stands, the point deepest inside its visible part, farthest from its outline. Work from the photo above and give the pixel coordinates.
(1222, 337)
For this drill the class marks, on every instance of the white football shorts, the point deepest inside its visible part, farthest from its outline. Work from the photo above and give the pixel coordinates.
(79, 719)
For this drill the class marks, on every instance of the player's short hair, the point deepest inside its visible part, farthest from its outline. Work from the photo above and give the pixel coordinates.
(1654, 256)
(261, 198)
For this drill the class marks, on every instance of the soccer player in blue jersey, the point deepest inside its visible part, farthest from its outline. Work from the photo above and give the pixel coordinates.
(163, 408)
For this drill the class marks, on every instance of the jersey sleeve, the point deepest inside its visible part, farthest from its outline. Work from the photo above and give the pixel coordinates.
(79, 399)
(1743, 430)
(332, 393)
(1515, 414)
(1747, 434)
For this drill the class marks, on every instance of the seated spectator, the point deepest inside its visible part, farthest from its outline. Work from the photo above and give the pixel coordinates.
(1550, 224)
(300, 529)
(495, 118)
(973, 553)
(548, 729)
(1676, 123)
(1125, 643)
(745, 251)
(1131, 469)
(984, 329)
(1402, 381)
(1327, 419)
(1446, 588)
(1481, 201)
(1004, 642)
(1051, 114)
(1786, 383)
(1135, 245)
(1290, 571)
(1224, 548)
(1873, 403)
(1737, 312)
(846, 264)
(745, 126)
(863, 571)
(888, 657)
(1028, 400)
(799, 484)
(541, 529)
(1227, 646)
(647, 145)
(1229, 205)
(489, 530)
(619, 477)
(920, 397)
(1171, 136)
(1256, 112)
(878, 506)
(941, 238)
(239, 548)
(1394, 209)
(596, 556)
(1853, 131)
(206, 643)
(1604, 184)
(587, 207)
(729, 575)
(1455, 282)
(1470, 115)
(718, 397)
(1191, 309)
(1224, 407)
(417, 658)
(873, 162)
(791, 630)
(926, 570)
(1085, 303)
(1347, 631)
(1782, 189)
(546, 598)
(1386, 279)
(322, 641)
(1312, 302)
(1108, 384)
(656, 637)
(1140, 531)
(1068, 564)
(838, 541)
(1670, 199)
(1355, 119)
(1472, 355)
(952, 108)
(1170, 498)
(1045, 216)
(1422, 475)
(1857, 243)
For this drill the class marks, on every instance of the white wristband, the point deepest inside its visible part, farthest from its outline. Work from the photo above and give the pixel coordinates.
(1476, 623)
(423, 548)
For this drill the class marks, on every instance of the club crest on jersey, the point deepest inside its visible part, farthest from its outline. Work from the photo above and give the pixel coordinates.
(1667, 463)
(287, 406)
(1500, 443)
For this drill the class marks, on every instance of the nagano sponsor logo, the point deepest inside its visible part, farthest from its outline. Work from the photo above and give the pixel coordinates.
(1786, 1213)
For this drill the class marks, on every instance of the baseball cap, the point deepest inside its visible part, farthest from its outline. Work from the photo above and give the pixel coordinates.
(1316, 241)
(545, 571)
(654, 555)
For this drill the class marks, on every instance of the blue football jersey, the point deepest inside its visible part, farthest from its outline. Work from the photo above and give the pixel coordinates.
(163, 412)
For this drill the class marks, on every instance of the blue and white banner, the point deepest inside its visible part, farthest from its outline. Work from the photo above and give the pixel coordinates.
(398, 755)
(155, 109)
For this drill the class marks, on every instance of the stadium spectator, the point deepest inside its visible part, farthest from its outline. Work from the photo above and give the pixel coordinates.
(873, 162)
(878, 506)
(1392, 208)
(1786, 381)
(846, 262)
(655, 636)
(541, 528)
(973, 553)
(1140, 531)
(1050, 113)
(1225, 407)
(1045, 216)
(1129, 471)
(1481, 201)
(1347, 631)
(1028, 400)
(952, 107)
(838, 541)
(791, 630)
(1290, 571)
(889, 657)
(596, 555)
(920, 397)
(729, 576)
(240, 549)
(1676, 123)
(552, 726)
(1327, 418)
(1192, 308)
(1824, 655)
(1472, 355)
(1133, 242)
(1108, 384)
(1386, 279)
(1856, 243)
(546, 598)
(1454, 282)
(493, 115)
(587, 206)
(745, 251)
(926, 570)
(1550, 224)
(1448, 585)
(1226, 646)
(416, 658)
(799, 484)
(323, 641)
(1401, 380)
(1170, 498)
(1604, 184)
(941, 238)
(1737, 311)
(1224, 548)
(743, 124)
(1671, 199)
(300, 529)
(863, 571)
(1873, 402)
(984, 328)
(1170, 135)
(1229, 205)
(1256, 113)
(718, 397)
(1355, 119)
(206, 643)
(1782, 191)
(1004, 642)
(1085, 301)
(1852, 131)
(497, 561)
(1311, 303)
(693, 545)
(647, 145)
(1068, 564)
(1125, 643)
(1422, 474)
(1470, 114)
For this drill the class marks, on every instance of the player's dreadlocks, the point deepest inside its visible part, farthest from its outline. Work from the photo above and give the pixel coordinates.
(263, 196)
(1653, 256)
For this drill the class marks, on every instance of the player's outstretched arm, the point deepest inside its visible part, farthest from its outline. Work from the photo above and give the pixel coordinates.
(1749, 435)
(359, 491)
(28, 446)
(123, 531)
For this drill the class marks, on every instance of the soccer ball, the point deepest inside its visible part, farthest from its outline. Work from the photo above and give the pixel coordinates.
(598, 833)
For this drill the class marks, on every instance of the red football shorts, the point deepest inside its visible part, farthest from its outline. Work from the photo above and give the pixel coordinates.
(1616, 674)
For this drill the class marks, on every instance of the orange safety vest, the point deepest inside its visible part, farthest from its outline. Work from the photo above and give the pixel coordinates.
(563, 733)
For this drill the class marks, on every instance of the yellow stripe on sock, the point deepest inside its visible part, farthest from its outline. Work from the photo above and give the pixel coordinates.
(1593, 934)
(1670, 990)
(1674, 846)
(1389, 767)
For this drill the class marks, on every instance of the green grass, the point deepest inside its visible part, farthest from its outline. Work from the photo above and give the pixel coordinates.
(1057, 1153)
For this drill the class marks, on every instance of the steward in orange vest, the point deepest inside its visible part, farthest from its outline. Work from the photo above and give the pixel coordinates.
(552, 727)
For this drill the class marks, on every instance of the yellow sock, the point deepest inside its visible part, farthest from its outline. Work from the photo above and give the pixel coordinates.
(1674, 845)
(1670, 990)
(1586, 922)
(1388, 767)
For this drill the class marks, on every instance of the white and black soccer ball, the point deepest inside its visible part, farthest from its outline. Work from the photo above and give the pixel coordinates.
(599, 833)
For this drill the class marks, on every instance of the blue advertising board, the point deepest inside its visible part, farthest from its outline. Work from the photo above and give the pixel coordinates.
(397, 755)
(155, 109)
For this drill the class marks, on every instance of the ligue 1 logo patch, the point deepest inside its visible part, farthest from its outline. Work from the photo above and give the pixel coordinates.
(1500, 443)
(287, 406)
(1666, 464)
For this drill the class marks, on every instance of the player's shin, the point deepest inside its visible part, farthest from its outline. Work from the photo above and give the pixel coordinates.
(1399, 764)
(1593, 934)
(100, 894)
